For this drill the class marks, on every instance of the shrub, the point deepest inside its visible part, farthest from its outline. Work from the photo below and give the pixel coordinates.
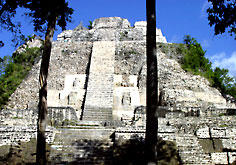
(194, 59)
(13, 71)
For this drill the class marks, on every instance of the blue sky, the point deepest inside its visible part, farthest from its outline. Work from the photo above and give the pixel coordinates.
(175, 18)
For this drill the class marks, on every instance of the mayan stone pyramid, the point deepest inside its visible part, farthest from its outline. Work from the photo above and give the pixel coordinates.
(97, 83)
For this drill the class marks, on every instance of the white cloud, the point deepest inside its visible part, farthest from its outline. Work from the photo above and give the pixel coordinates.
(223, 61)
(204, 8)
(217, 56)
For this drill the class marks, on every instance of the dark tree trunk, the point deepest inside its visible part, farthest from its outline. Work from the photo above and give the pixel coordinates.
(152, 85)
(42, 107)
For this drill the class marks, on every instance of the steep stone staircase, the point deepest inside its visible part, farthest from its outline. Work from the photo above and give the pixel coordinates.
(190, 150)
(88, 146)
(99, 94)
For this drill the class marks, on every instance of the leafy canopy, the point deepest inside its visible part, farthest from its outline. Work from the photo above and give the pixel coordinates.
(7, 13)
(194, 59)
(222, 15)
(41, 11)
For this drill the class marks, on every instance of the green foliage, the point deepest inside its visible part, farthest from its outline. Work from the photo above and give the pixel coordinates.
(223, 125)
(13, 71)
(132, 51)
(28, 38)
(164, 48)
(180, 49)
(39, 10)
(224, 82)
(222, 15)
(90, 26)
(1, 44)
(123, 35)
(194, 61)
(43, 12)
(172, 50)
(7, 13)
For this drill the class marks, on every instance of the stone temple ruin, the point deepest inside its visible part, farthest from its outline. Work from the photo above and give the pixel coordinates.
(97, 84)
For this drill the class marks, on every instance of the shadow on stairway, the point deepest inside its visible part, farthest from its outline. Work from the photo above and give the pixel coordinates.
(95, 152)
(132, 152)
(125, 152)
(87, 152)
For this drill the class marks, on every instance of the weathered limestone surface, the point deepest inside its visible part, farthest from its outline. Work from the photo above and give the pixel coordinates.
(99, 95)
(111, 22)
(11, 134)
(34, 42)
(219, 158)
(66, 59)
(72, 95)
(111, 28)
(182, 89)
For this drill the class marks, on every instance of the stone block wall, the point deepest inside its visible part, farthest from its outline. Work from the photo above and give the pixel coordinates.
(12, 135)
(29, 117)
(72, 95)
(200, 140)
(68, 59)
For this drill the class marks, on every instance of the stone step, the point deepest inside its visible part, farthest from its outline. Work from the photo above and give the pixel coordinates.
(97, 117)
(82, 146)
(190, 150)
(84, 143)
(97, 114)
(91, 113)
(99, 110)
(71, 134)
(99, 92)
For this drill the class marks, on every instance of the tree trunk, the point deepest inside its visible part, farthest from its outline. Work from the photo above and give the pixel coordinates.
(152, 85)
(42, 107)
